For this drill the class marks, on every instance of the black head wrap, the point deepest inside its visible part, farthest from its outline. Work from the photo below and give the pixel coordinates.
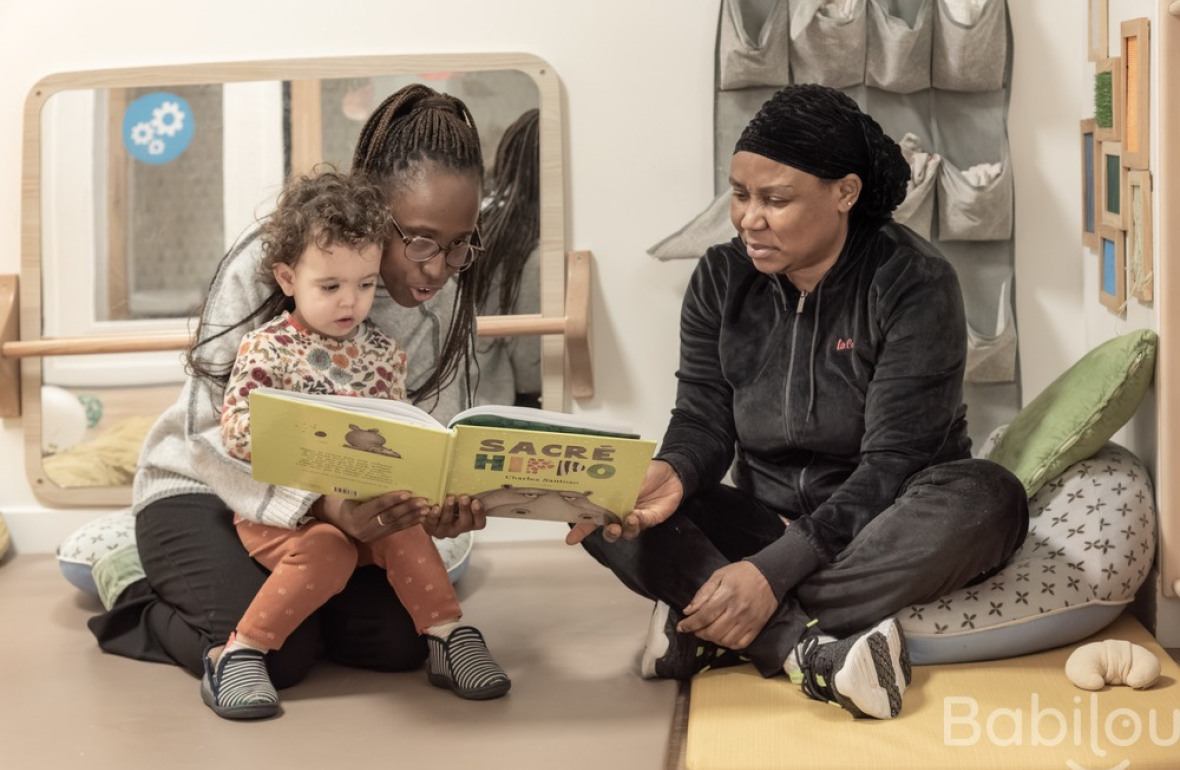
(822, 131)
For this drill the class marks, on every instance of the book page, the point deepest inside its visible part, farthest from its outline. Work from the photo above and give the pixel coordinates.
(527, 418)
(398, 410)
(548, 476)
(316, 445)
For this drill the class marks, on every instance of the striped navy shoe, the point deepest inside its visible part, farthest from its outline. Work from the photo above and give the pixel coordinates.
(463, 664)
(238, 687)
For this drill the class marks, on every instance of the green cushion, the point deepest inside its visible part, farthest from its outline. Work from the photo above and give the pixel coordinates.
(1080, 411)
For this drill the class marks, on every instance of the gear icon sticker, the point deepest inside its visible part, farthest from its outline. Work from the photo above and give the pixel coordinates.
(168, 119)
(158, 127)
(142, 133)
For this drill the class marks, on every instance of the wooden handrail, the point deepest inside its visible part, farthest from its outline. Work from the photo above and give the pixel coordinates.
(574, 326)
(486, 326)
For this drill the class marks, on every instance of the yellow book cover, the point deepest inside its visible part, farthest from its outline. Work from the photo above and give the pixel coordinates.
(539, 474)
(519, 462)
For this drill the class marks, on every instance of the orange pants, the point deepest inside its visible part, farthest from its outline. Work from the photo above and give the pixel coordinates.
(311, 564)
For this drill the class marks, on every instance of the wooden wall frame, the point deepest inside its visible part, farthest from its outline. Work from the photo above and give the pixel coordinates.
(556, 384)
(1137, 200)
(1112, 269)
(1136, 91)
(1090, 159)
(1098, 30)
(1113, 67)
(1110, 191)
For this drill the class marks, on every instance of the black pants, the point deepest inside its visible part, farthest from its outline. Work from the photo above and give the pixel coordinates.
(952, 525)
(200, 581)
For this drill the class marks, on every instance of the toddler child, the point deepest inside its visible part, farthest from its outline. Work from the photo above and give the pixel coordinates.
(323, 247)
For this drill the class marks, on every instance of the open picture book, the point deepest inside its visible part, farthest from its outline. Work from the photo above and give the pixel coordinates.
(519, 462)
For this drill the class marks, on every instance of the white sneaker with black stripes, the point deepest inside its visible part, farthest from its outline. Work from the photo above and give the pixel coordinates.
(462, 663)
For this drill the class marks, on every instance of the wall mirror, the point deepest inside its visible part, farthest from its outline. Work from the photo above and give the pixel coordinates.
(136, 182)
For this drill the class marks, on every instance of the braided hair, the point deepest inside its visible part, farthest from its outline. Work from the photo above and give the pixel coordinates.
(412, 129)
(511, 221)
(822, 131)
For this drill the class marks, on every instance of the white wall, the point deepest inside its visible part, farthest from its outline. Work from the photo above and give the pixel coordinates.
(1057, 307)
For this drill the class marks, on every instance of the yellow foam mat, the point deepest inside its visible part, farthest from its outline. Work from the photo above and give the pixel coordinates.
(1018, 713)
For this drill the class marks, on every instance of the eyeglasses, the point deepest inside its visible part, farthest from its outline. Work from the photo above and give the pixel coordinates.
(419, 248)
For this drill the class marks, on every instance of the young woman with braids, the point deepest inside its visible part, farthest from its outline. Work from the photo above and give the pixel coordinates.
(507, 276)
(423, 151)
(822, 353)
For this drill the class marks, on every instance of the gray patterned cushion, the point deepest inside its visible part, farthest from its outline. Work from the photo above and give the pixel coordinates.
(1090, 545)
(107, 536)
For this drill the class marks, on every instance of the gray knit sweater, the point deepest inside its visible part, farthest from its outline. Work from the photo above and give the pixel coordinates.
(183, 452)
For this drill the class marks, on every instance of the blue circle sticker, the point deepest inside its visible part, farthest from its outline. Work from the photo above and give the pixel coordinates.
(158, 127)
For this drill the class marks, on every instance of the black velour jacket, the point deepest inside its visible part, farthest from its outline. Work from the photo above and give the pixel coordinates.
(830, 400)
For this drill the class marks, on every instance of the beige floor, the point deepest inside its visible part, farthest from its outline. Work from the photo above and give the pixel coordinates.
(565, 630)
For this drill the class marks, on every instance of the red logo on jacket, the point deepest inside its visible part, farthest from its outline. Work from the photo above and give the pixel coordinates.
(847, 344)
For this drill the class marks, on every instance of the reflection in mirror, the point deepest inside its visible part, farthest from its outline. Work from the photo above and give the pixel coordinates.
(90, 437)
(507, 276)
(165, 203)
(144, 189)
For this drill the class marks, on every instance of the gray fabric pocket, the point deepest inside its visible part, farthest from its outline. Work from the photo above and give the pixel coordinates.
(992, 358)
(753, 54)
(710, 227)
(917, 210)
(970, 213)
(826, 48)
(970, 57)
(732, 110)
(898, 57)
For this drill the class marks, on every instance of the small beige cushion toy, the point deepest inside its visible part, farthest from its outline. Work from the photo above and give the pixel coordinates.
(1112, 661)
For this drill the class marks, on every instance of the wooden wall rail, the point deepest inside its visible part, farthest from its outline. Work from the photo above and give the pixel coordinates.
(574, 326)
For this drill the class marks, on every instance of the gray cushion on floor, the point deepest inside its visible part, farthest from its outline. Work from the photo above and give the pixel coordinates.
(1090, 545)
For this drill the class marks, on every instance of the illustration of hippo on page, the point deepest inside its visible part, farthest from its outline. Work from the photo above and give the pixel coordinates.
(368, 440)
(544, 504)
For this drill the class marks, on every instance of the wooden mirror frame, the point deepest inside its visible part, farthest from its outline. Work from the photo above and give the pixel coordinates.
(558, 323)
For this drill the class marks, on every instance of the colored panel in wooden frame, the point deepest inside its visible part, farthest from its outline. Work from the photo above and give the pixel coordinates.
(1112, 269)
(1110, 185)
(1098, 33)
(1090, 159)
(1136, 93)
(1139, 249)
(1108, 99)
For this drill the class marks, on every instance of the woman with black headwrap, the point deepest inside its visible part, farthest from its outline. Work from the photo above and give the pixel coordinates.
(822, 355)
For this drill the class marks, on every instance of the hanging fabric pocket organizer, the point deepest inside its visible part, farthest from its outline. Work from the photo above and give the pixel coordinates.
(970, 48)
(975, 209)
(992, 358)
(917, 210)
(828, 42)
(898, 57)
(711, 226)
(746, 58)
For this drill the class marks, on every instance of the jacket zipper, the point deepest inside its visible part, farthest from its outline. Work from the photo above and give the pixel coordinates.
(791, 367)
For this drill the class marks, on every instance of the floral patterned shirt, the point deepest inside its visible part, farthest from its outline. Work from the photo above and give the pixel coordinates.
(287, 355)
